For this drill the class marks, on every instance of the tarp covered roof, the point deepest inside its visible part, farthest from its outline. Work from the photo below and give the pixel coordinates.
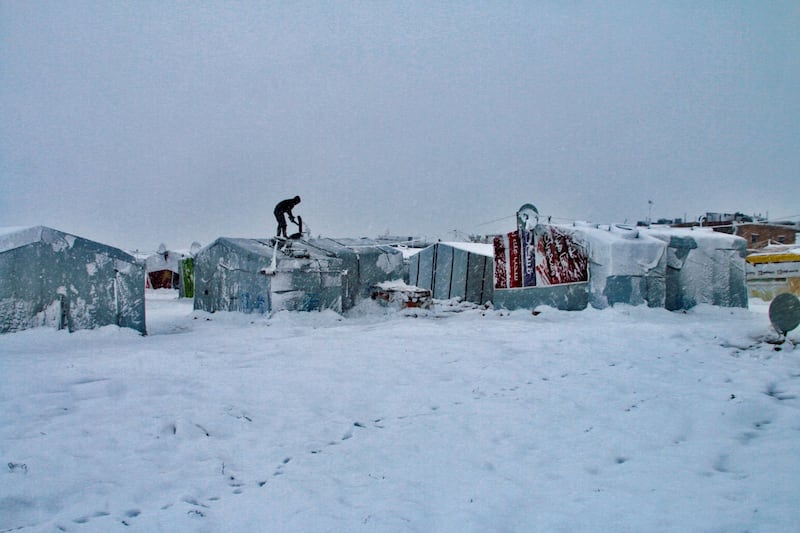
(17, 237)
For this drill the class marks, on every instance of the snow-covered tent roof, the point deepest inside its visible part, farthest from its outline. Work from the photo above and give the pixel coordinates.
(473, 247)
(18, 236)
(165, 259)
(165, 268)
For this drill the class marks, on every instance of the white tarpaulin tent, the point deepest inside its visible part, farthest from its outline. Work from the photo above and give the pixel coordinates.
(625, 266)
(703, 266)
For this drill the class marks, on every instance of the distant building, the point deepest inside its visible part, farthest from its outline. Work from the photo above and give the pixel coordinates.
(760, 235)
(756, 231)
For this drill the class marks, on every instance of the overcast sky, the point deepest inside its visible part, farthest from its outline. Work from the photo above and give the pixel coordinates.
(137, 123)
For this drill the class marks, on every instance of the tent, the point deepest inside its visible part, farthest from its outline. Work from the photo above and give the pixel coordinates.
(261, 275)
(52, 278)
(568, 267)
(454, 270)
(625, 265)
(703, 267)
(164, 268)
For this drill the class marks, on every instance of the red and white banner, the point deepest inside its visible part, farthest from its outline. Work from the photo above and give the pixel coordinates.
(500, 263)
(560, 258)
(507, 261)
(546, 255)
(514, 260)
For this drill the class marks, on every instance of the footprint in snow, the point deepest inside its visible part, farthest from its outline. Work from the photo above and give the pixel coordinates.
(279, 470)
(86, 518)
(129, 515)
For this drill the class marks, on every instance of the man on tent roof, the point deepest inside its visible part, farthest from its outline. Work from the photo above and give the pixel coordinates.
(284, 208)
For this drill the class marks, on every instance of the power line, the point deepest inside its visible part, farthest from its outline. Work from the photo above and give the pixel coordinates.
(495, 220)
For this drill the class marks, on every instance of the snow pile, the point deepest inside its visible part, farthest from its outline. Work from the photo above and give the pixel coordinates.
(626, 419)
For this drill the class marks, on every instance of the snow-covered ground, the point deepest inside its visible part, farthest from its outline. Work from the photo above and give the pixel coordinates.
(626, 419)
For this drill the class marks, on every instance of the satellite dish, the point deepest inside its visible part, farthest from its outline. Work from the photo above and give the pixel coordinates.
(527, 216)
(784, 312)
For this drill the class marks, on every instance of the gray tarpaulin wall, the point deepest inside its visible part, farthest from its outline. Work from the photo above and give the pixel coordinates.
(252, 275)
(51, 278)
(365, 263)
(454, 270)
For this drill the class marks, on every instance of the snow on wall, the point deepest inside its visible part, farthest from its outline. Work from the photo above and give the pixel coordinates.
(18, 315)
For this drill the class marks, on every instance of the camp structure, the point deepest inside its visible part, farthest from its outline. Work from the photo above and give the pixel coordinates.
(541, 265)
(264, 275)
(572, 266)
(703, 267)
(625, 265)
(186, 288)
(460, 270)
(164, 268)
(774, 271)
(366, 264)
(52, 278)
